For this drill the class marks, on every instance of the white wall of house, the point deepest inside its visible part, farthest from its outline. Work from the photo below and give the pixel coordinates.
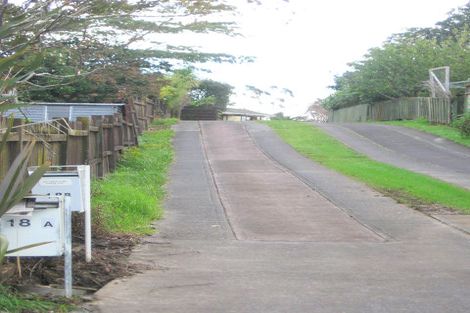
(241, 118)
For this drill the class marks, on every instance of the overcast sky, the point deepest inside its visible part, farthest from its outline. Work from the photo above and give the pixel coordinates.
(302, 44)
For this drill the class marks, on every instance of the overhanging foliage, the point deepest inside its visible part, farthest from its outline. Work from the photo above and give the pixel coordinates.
(400, 66)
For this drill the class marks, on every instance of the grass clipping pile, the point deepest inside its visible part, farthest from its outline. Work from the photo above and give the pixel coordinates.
(110, 261)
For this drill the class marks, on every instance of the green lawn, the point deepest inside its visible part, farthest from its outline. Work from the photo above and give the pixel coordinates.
(402, 184)
(128, 200)
(444, 131)
(165, 122)
(12, 302)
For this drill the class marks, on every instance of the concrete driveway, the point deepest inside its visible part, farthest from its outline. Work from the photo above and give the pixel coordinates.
(251, 226)
(406, 148)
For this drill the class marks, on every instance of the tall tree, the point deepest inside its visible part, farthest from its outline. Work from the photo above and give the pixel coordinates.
(400, 66)
(79, 38)
(210, 92)
(175, 94)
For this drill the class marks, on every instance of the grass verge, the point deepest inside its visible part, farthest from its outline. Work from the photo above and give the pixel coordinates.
(128, 200)
(125, 202)
(401, 184)
(12, 302)
(444, 131)
(164, 123)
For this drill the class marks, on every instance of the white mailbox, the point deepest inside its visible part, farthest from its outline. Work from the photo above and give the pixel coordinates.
(35, 220)
(45, 221)
(69, 180)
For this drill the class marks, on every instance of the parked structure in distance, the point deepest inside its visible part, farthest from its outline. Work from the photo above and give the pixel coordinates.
(240, 115)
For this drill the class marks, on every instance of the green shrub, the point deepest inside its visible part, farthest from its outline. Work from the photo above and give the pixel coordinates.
(463, 124)
(465, 127)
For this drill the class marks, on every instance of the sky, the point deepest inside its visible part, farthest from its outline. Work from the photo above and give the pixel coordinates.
(300, 45)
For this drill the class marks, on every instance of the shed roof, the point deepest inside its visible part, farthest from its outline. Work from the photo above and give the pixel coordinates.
(44, 111)
(75, 104)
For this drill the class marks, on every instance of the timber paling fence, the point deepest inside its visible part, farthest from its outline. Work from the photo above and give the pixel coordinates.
(98, 140)
(201, 113)
(436, 110)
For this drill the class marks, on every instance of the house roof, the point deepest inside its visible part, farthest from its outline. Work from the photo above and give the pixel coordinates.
(243, 112)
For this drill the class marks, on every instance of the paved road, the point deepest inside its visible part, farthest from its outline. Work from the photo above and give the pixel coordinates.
(251, 226)
(407, 148)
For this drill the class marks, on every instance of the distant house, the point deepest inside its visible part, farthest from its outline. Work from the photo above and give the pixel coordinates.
(239, 115)
(317, 113)
(40, 111)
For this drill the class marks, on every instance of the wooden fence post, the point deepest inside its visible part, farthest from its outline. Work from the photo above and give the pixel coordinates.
(94, 152)
(5, 155)
(20, 132)
(117, 138)
(76, 144)
(104, 166)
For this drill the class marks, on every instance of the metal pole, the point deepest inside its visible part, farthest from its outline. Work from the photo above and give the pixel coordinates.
(431, 84)
(87, 214)
(447, 79)
(467, 98)
(68, 248)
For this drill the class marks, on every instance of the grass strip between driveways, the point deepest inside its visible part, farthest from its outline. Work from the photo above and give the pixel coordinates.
(129, 199)
(443, 131)
(401, 184)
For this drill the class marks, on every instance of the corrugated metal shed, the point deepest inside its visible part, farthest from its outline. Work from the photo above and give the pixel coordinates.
(41, 111)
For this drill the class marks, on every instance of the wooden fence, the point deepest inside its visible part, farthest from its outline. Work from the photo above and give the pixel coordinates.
(203, 113)
(98, 141)
(145, 111)
(357, 113)
(436, 110)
